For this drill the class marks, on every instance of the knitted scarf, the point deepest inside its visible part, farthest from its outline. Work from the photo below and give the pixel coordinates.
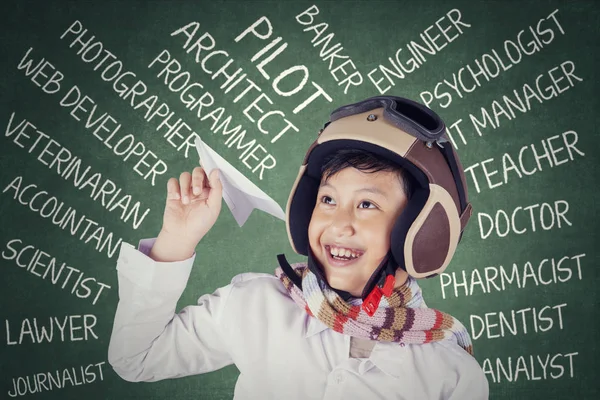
(403, 317)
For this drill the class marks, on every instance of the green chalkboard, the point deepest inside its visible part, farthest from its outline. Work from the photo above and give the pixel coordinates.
(101, 101)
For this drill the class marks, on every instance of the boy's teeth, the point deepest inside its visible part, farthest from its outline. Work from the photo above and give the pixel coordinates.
(339, 252)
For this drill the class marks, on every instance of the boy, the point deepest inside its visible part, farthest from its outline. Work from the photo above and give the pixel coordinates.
(379, 201)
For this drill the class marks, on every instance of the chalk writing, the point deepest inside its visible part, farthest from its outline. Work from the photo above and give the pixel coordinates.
(50, 207)
(499, 278)
(491, 65)
(71, 328)
(546, 87)
(532, 368)
(544, 215)
(331, 54)
(104, 127)
(384, 77)
(43, 265)
(68, 166)
(499, 323)
(549, 153)
(59, 379)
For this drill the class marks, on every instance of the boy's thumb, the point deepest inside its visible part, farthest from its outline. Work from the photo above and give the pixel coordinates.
(216, 189)
(214, 177)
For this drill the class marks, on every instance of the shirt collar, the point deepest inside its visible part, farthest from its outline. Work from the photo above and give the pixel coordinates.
(314, 326)
(385, 356)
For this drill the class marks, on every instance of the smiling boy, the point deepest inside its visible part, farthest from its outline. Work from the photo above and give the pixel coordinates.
(379, 202)
(351, 224)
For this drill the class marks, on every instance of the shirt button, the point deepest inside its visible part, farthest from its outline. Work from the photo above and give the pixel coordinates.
(339, 377)
(124, 260)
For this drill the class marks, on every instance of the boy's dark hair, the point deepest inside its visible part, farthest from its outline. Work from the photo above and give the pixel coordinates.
(365, 161)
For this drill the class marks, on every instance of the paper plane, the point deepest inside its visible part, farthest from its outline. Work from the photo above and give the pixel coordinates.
(240, 194)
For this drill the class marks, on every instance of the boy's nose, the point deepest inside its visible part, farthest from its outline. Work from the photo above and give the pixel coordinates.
(342, 223)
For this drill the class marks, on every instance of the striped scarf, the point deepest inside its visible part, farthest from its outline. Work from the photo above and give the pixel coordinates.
(403, 317)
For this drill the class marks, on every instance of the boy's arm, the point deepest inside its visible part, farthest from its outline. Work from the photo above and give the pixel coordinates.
(149, 340)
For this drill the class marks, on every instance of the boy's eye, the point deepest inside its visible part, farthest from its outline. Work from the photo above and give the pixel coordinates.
(327, 200)
(366, 204)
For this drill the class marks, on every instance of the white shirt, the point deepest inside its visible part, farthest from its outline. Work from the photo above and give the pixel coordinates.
(280, 351)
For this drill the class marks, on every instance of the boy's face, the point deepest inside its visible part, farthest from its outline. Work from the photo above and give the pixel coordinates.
(349, 231)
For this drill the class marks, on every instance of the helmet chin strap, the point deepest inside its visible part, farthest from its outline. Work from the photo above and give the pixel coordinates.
(381, 283)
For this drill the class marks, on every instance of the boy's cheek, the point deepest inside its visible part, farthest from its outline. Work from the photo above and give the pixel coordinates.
(313, 243)
(313, 229)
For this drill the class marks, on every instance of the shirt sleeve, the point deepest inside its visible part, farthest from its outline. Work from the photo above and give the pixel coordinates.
(149, 341)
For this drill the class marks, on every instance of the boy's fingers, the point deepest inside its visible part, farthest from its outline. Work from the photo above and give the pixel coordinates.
(216, 189)
(185, 181)
(173, 189)
(198, 178)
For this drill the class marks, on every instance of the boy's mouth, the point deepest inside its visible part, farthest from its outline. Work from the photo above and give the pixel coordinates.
(342, 256)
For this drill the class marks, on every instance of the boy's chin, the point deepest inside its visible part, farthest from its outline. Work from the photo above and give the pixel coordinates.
(340, 284)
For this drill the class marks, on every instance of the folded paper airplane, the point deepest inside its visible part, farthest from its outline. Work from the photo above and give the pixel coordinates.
(240, 194)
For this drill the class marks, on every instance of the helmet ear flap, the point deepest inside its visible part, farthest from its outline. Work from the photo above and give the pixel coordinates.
(432, 238)
(405, 221)
(300, 204)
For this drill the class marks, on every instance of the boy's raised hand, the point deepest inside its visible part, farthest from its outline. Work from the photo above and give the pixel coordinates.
(192, 207)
